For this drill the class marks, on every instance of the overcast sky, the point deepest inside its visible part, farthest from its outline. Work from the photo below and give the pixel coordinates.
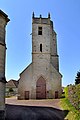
(65, 15)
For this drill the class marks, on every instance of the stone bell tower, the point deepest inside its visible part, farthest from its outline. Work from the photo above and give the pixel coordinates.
(3, 22)
(42, 79)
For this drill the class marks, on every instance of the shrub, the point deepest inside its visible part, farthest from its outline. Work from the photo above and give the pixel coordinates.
(72, 92)
(11, 90)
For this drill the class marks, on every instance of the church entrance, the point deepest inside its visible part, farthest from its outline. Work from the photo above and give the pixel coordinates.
(41, 88)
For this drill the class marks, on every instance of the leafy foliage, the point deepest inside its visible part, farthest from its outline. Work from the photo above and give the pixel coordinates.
(11, 90)
(66, 92)
(73, 114)
(72, 93)
(77, 80)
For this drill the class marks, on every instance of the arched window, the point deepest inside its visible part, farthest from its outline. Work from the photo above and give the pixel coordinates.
(40, 47)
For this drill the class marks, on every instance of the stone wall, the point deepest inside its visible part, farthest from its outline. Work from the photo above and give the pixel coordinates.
(3, 22)
(44, 61)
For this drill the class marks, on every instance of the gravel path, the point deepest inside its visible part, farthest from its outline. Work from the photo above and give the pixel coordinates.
(45, 102)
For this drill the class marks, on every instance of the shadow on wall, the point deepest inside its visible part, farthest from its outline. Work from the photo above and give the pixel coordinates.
(18, 112)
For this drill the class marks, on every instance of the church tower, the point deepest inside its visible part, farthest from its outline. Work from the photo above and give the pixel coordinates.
(3, 22)
(44, 42)
(41, 79)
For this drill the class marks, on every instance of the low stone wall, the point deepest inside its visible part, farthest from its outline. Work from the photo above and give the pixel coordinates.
(72, 92)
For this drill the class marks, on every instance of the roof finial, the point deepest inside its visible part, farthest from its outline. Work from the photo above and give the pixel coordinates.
(40, 16)
(49, 15)
(33, 15)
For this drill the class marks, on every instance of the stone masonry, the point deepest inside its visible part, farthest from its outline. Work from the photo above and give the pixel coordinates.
(42, 79)
(3, 22)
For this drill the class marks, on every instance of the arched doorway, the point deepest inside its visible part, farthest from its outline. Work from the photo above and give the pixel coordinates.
(41, 88)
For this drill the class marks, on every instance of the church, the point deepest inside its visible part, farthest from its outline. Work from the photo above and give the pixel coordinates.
(42, 79)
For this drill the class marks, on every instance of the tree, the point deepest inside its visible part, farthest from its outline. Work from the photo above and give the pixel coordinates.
(11, 90)
(77, 80)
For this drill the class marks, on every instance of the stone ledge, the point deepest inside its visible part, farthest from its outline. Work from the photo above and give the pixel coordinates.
(4, 15)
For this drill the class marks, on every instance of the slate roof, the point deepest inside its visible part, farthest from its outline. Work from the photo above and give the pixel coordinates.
(12, 83)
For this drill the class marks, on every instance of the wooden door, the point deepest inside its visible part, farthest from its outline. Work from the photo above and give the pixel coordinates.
(41, 88)
(26, 95)
(56, 94)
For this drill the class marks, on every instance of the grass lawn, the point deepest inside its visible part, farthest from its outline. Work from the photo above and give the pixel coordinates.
(70, 112)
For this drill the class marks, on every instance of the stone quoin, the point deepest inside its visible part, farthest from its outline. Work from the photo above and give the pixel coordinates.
(3, 22)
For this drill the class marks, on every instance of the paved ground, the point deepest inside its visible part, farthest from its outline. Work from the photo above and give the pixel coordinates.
(44, 102)
(33, 109)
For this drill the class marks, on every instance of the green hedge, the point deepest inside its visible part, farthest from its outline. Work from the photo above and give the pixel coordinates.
(72, 92)
(66, 92)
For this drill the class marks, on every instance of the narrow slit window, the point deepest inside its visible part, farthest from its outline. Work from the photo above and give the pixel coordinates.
(40, 47)
(39, 30)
